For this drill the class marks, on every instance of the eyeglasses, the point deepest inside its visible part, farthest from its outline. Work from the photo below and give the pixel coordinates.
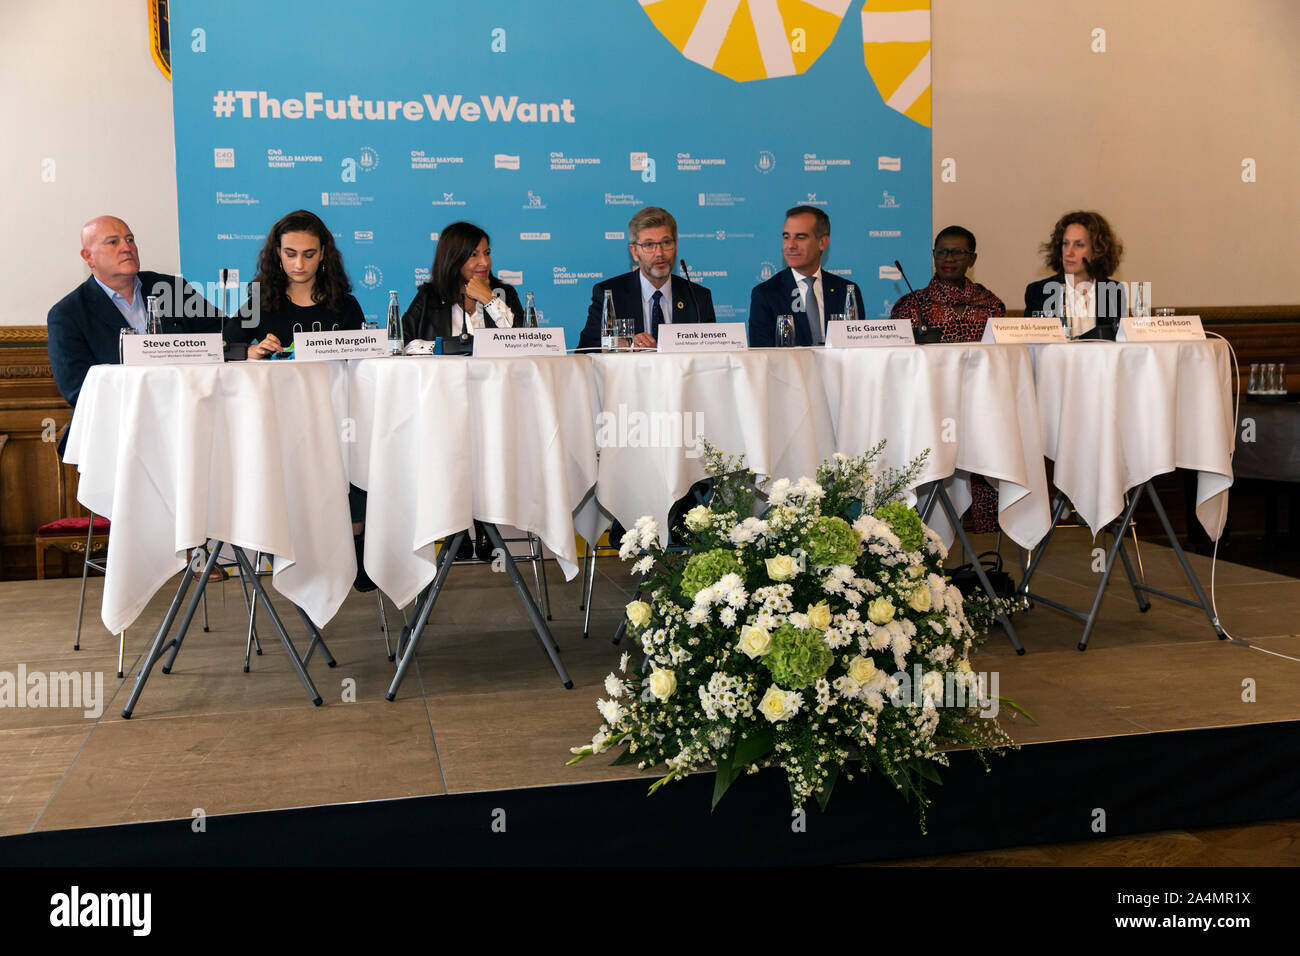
(664, 244)
(950, 253)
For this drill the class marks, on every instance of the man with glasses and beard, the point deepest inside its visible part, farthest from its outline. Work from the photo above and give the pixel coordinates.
(650, 294)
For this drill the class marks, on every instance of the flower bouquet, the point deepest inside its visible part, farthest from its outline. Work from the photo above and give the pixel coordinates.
(818, 633)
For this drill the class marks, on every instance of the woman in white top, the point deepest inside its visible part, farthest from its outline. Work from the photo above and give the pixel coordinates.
(462, 295)
(1083, 252)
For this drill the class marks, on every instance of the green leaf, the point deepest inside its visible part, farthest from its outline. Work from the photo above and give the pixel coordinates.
(925, 769)
(1016, 707)
(758, 744)
(625, 757)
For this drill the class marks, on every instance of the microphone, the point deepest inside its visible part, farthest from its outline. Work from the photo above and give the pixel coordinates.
(923, 333)
(690, 289)
(899, 266)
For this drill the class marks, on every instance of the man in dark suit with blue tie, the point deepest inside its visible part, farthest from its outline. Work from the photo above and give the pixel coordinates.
(84, 326)
(802, 290)
(650, 295)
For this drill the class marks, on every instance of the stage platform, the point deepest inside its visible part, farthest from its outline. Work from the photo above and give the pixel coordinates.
(1158, 725)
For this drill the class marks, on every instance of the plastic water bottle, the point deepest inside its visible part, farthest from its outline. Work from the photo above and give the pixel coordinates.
(850, 305)
(395, 344)
(608, 324)
(530, 311)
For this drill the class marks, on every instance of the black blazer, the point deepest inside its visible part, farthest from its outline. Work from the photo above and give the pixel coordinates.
(682, 298)
(1048, 297)
(429, 317)
(776, 297)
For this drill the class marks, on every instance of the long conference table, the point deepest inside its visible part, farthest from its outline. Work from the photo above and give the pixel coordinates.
(260, 454)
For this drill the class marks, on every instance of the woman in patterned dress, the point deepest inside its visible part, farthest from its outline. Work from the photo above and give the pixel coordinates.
(959, 308)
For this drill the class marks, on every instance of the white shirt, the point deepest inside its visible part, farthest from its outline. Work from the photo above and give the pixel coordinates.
(647, 300)
(1080, 306)
(801, 282)
(135, 313)
(497, 308)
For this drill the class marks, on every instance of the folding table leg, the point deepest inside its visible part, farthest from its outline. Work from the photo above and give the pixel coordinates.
(246, 568)
(189, 611)
(1201, 600)
(539, 623)
(1143, 604)
(1058, 509)
(1001, 617)
(155, 649)
(425, 604)
(1115, 548)
(316, 641)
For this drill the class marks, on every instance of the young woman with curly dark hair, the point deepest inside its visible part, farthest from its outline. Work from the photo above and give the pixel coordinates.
(1084, 252)
(301, 284)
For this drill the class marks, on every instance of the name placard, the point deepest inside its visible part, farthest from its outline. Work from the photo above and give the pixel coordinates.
(868, 333)
(339, 344)
(504, 343)
(202, 348)
(703, 337)
(1006, 330)
(1160, 328)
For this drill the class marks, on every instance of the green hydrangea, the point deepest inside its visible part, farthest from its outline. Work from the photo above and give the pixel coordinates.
(832, 541)
(904, 522)
(708, 568)
(798, 657)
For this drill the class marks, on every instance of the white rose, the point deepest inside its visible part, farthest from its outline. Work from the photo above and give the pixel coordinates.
(819, 616)
(782, 568)
(663, 683)
(775, 705)
(919, 599)
(697, 519)
(638, 612)
(862, 669)
(880, 611)
(754, 641)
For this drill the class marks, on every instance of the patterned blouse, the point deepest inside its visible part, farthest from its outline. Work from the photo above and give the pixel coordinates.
(961, 311)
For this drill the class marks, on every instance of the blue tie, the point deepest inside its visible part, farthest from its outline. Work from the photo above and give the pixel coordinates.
(656, 313)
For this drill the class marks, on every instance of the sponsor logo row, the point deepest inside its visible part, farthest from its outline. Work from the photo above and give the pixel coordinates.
(367, 160)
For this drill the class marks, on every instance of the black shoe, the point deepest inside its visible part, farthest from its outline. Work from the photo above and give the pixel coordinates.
(482, 546)
(362, 582)
(466, 549)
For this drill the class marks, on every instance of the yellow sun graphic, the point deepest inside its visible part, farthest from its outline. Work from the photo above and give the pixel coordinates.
(896, 49)
(748, 40)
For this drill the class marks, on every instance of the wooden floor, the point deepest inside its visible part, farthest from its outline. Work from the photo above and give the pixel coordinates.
(483, 709)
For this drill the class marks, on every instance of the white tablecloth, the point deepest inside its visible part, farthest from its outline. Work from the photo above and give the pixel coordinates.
(767, 403)
(1117, 414)
(790, 409)
(972, 406)
(247, 453)
(442, 441)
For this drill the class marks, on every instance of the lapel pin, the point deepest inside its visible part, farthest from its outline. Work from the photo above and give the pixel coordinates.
(680, 304)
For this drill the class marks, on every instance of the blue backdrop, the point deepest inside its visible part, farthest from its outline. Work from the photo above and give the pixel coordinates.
(548, 124)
